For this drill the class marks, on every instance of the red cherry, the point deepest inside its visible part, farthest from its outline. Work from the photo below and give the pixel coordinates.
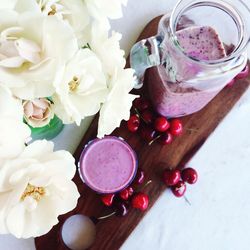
(133, 123)
(179, 189)
(126, 193)
(166, 138)
(140, 177)
(147, 133)
(161, 124)
(243, 74)
(176, 127)
(141, 104)
(147, 116)
(107, 199)
(231, 83)
(171, 177)
(140, 201)
(189, 175)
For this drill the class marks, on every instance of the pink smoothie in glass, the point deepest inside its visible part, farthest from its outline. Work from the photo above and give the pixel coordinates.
(173, 99)
(108, 165)
(202, 43)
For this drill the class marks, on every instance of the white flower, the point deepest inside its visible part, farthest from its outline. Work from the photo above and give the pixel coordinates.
(32, 47)
(8, 5)
(107, 49)
(13, 132)
(74, 12)
(13, 135)
(118, 104)
(105, 8)
(102, 10)
(38, 112)
(9, 105)
(80, 88)
(35, 189)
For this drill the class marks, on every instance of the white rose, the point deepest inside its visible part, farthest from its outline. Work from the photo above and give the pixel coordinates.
(9, 4)
(118, 104)
(101, 10)
(35, 189)
(74, 12)
(38, 112)
(32, 48)
(13, 132)
(107, 49)
(9, 105)
(80, 88)
(105, 8)
(13, 136)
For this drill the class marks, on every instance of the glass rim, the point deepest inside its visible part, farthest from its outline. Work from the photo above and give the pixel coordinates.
(240, 48)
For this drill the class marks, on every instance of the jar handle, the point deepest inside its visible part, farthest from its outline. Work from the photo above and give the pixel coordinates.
(145, 54)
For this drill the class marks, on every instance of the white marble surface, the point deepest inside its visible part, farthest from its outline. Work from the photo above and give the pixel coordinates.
(219, 217)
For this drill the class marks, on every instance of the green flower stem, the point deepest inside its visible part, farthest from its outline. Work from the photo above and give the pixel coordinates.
(49, 131)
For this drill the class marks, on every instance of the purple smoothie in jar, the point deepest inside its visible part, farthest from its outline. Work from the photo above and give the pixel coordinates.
(173, 99)
(108, 165)
(198, 49)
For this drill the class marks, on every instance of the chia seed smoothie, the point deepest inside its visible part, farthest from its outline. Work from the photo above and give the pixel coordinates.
(108, 165)
(172, 98)
(202, 43)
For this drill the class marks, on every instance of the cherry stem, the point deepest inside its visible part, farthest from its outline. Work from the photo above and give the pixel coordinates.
(186, 199)
(155, 139)
(106, 216)
(137, 112)
(139, 115)
(146, 184)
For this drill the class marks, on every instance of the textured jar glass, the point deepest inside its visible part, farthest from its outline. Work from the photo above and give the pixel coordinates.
(180, 84)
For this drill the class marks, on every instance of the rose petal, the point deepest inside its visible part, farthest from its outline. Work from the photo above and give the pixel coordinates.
(12, 144)
(10, 106)
(37, 113)
(119, 101)
(27, 45)
(41, 103)
(30, 204)
(28, 109)
(38, 149)
(12, 62)
(12, 32)
(28, 50)
(17, 214)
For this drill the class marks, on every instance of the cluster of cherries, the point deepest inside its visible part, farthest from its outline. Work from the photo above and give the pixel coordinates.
(152, 127)
(176, 179)
(121, 202)
(242, 75)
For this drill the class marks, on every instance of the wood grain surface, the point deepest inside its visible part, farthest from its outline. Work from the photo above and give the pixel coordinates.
(112, 232)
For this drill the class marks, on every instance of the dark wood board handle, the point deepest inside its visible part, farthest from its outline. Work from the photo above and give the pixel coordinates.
(112, 232)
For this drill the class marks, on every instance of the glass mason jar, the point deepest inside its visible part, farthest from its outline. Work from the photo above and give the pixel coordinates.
(180, 82)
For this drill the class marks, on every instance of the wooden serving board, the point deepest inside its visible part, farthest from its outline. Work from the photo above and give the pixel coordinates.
(112, 232)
